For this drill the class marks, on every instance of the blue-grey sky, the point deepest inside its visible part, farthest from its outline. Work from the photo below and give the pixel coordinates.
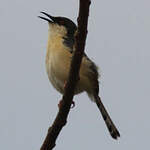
(118, 41)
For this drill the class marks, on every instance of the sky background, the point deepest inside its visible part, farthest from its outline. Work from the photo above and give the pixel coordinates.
(119, 43)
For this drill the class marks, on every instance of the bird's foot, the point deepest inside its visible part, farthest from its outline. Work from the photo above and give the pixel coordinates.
(65, 84)
(60, 103)
(72, 104)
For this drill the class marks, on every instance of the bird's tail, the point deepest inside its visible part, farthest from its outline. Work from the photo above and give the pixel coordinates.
(109, 123)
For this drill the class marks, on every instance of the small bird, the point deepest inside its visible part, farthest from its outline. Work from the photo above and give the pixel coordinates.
(58, 58)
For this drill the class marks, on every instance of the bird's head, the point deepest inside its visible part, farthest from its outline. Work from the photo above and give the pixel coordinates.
(60, 25)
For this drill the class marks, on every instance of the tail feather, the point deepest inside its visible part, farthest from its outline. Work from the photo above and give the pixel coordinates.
(109, 123)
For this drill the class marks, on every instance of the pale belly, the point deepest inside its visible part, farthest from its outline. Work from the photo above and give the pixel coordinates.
(57, 66)
(58, 59)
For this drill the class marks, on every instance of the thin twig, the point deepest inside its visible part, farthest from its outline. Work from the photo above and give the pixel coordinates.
(80, 38)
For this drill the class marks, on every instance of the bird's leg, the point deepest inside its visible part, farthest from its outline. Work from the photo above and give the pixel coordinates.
(72, 104)
(60, 102)
(65, 84)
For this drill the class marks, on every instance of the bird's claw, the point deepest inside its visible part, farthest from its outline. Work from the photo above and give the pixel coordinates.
(72, 104)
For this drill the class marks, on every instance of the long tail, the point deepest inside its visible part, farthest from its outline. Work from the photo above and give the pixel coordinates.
(109, 123)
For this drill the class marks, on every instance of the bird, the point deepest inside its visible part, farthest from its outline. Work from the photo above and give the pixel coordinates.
(60, 48)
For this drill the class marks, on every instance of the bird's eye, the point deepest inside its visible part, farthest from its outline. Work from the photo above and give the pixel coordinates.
(61, 22)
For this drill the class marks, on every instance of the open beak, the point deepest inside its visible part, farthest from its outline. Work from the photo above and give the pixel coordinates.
(50, 18)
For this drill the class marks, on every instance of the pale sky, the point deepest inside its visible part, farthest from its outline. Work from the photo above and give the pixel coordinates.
(119, 43)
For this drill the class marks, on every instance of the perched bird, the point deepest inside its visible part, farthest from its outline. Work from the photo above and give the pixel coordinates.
(58, 58)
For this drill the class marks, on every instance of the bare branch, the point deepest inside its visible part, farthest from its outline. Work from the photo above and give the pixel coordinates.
(62, 115)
